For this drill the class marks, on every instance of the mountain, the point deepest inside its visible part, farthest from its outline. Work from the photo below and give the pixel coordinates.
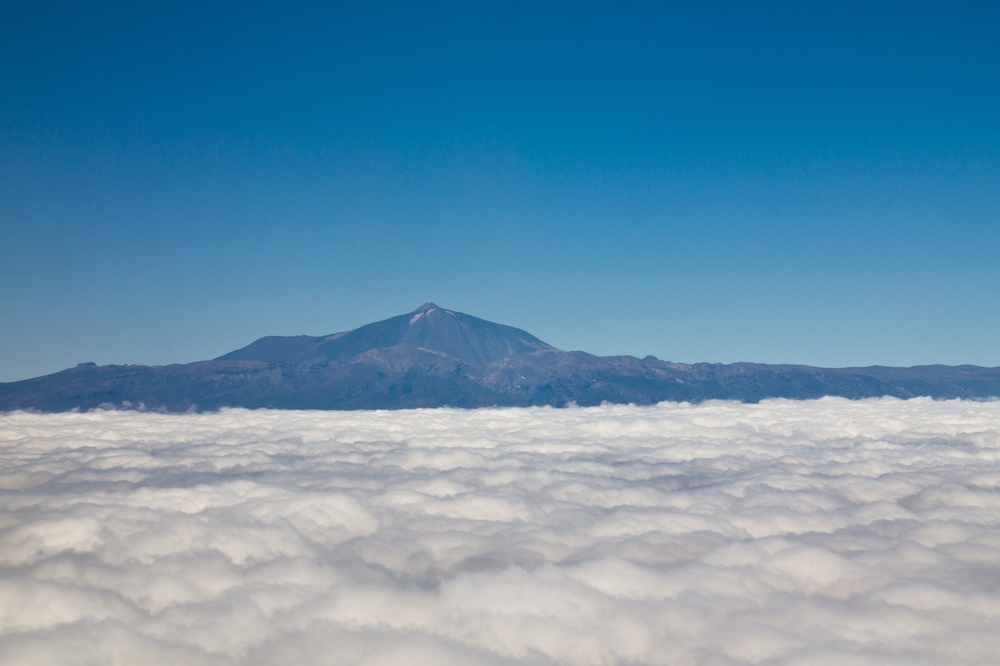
(434, 357)
(429, 327)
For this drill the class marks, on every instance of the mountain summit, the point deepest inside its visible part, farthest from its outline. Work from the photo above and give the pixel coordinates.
(435, 357)
(429, 327)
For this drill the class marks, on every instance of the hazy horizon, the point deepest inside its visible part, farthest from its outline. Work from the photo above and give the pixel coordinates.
(347, 330)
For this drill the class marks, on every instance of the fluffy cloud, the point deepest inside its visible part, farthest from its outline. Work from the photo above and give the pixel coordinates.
(818, 532)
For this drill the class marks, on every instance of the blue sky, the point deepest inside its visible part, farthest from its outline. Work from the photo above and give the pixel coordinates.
(768, 182)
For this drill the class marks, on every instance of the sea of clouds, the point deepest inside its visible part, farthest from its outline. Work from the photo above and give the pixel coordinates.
(817, 532)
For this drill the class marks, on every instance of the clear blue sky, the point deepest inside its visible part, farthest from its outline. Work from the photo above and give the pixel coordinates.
(790, 182)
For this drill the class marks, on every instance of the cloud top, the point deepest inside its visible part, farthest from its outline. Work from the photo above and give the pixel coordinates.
(815, 532)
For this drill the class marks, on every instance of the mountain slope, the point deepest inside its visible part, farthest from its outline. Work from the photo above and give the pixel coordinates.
(428, 327)
(433, 357)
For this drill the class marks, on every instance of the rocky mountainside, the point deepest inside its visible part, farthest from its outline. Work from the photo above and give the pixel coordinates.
(434, 357)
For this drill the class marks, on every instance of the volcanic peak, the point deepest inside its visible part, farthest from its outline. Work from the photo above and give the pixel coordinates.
(429, 327)
(426, 307)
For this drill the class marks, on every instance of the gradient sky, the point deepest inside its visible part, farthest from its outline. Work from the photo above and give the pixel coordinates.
(768, 182)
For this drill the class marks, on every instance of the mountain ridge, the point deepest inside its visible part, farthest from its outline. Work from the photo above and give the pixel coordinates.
(435, 357)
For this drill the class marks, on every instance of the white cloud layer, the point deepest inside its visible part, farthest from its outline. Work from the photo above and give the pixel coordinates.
(819, 532)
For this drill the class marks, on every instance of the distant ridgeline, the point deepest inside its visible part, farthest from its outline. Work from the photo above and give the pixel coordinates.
(433, 357)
